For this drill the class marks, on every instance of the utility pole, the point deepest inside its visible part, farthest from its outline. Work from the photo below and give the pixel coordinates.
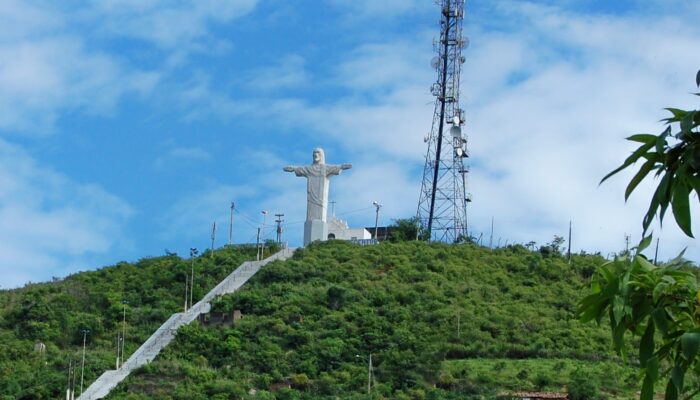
(70, 371)
(627, 244)
(213, 237)
(193, 254)
(257, 245)
(458, 325)
(332, 207)
(262, 244)
(491, 239)
(376, 219)
(369, 375)
(279, 227)
(119, 347)
(569, 252)
(186, 279)
(72, 391)
(124, 303)
(230, 226)
(82, 365)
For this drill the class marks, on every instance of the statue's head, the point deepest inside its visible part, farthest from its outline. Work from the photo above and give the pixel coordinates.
(319, 156)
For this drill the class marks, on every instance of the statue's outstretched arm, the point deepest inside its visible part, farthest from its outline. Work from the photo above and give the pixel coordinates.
(298, 171)
(335, 169)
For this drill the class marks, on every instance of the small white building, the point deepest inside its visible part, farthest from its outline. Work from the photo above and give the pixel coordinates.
(339, 229)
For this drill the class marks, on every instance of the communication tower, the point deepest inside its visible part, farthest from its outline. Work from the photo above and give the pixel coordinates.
(442, 207)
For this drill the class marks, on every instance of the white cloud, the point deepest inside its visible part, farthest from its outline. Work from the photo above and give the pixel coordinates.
(175, 156)
(50, 225)
(19, 19)
(360, 9)
(549, 101)
(54, 61)
(164, 23)
(289, 72)
(42, 78)
(192, 216)
(546, 126)
(377, 67)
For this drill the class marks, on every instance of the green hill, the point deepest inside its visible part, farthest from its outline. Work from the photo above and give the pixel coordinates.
(55, 313)
(440, 321)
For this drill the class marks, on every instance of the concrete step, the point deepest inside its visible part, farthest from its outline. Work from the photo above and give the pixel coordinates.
(166, 333)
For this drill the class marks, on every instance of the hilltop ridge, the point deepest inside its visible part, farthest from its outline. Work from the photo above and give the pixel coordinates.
(441, 321)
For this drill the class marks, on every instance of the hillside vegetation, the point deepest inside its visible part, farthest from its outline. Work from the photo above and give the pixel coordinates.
(55, 313)
(440, 322)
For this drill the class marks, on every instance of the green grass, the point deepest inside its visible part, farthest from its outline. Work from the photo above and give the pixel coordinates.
(550, 375)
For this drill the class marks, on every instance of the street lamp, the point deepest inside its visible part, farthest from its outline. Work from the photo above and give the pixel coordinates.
(370, 373)
(193, 254)
(124, 303)
(82, 365)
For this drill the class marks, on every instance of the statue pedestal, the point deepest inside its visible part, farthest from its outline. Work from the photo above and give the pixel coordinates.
(315, 230)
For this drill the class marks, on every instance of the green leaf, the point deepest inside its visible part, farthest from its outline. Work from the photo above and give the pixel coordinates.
(653, 368)
(695, 183)
(690, 341)
(646, 346)
(681, 207)
(618, 309)
(660, 320)
(647, 389)
(641, 174)
(663, 195)
(645, 264)
(671, 391)
(630, 160)
(651, 212)
(658, 291)
(652, 372)
(661, 140)
(687, 124)
(619, 338)
(677, 113)
(642, 138)
(644, 244)
(677, 377)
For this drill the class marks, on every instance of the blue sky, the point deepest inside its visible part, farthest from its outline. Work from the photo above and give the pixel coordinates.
(128, 126)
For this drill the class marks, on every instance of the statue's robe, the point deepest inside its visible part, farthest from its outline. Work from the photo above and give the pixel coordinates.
(317, 176)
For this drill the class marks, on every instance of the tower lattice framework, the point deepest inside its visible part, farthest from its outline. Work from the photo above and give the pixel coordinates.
(442, 207)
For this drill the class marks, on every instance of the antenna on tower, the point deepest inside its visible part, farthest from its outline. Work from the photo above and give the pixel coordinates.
(442, 207)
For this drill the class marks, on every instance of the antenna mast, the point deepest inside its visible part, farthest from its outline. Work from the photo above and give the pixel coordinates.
(442, 207)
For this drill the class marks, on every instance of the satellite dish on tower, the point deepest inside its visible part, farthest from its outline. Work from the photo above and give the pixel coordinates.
(435, 62)
(463, 42)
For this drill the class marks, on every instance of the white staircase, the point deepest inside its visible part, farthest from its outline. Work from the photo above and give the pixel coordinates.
(165, 334)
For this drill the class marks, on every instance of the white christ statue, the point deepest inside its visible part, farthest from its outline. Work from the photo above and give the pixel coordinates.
(318, 179)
